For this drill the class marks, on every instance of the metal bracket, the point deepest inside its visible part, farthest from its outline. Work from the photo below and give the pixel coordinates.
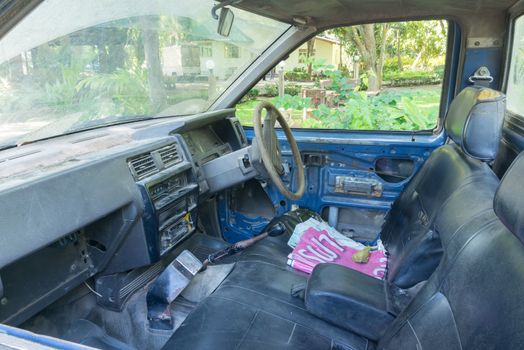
(168, 286)
(358, 186)
(222, 4)
(314, 159)
(482, 76)
(484, 42)
(286, 167)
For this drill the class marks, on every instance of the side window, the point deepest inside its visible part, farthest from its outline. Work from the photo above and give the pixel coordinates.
(385, 76)
(515, 86)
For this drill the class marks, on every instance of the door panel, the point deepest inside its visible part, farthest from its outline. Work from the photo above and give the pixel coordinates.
(394, 169)
(352, 179)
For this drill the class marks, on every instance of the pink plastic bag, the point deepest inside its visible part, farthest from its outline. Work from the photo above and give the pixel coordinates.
(317, 247)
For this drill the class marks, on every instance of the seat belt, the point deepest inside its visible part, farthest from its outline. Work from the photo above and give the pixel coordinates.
(481, 77)
(298, 290)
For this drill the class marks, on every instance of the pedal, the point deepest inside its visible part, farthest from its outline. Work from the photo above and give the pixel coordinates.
(171, 282)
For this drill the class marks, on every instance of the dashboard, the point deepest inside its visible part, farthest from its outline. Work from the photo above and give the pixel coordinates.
(171, 182)
(205, 145)
(103, 202)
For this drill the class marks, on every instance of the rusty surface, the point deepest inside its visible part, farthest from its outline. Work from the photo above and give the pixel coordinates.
(33, 159)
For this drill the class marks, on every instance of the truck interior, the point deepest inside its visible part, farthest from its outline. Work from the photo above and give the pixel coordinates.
(119, 186)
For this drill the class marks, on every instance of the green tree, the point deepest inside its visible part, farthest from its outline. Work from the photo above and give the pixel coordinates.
(157, 93)
(424, 40)
(310, 50)
(369, 41)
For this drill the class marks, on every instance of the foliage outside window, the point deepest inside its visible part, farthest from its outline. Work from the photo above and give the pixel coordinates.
(515, 88)
(94, 63)
(367, 77)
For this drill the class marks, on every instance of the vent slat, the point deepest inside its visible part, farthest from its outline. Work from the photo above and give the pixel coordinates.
(143, 166)
(169, 155)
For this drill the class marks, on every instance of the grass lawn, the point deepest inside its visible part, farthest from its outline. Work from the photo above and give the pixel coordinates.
(425, 98)
(245, 110)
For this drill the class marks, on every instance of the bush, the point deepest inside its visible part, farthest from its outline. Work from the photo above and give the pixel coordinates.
(297, 74)
(253, 93)
(382, 112)
(291, 102)
(391, 66)
(271, 90)
(439, 70)
(410, 78)
(386, 111)
(363, 86)
(345, 71)
(292, 89)
(250, 95)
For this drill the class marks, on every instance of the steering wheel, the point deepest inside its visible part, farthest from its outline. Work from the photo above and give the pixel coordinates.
(269, 148)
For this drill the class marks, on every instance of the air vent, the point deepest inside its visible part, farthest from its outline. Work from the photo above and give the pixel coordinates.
(151, 163)
(142, 166)
(169, 155)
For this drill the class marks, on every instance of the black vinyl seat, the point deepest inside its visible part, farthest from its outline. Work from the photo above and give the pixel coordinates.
(471, 301)
(450, 202)
(253, 309)
(474, 124)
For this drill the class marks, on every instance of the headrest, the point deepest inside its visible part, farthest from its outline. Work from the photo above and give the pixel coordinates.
(474, 121)
(509, 198)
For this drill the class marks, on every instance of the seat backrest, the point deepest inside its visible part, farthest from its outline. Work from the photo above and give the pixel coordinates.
(448, 176)
(472, 301)
(474, 121)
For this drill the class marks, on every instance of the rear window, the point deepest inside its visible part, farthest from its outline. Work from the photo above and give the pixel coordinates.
(515, 88)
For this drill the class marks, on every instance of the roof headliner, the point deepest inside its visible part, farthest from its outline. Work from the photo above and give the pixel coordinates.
(329, 13)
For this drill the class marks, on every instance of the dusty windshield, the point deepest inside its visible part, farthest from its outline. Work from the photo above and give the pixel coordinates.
(71, 65)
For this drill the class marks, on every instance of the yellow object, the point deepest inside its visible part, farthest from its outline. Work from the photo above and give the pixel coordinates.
(488, 95)
(362, 256)
(187, 219)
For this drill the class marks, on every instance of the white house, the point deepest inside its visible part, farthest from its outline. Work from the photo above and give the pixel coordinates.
(325, 48)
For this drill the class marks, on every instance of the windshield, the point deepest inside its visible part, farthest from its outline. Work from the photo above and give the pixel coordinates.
(72, 65)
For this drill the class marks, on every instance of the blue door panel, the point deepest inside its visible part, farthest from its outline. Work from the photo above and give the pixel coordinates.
(336, 154)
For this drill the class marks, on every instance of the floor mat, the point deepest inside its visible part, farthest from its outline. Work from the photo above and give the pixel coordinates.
(131, 325)
(87, 333)
(79, 318)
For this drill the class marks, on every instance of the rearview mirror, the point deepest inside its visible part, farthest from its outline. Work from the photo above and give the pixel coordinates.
(225, 22)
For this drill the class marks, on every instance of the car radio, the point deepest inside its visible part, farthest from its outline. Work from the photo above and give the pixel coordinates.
(170, 196)
(171, 202)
